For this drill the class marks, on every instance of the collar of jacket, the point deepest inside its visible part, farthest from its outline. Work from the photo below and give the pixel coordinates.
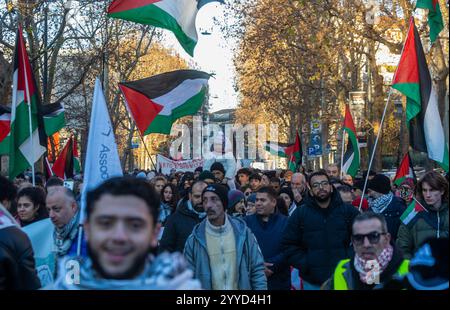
(444, 206)
(239, 229)
(272, 217)
(335, 201)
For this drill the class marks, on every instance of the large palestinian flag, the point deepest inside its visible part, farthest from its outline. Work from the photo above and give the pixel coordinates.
(177, 16)
(155, 103)
(405, 170)
(350, 162)
(413, 80)
(26, 143)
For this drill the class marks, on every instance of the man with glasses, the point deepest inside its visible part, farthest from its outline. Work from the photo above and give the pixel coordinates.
(376, 260)
(318, 233)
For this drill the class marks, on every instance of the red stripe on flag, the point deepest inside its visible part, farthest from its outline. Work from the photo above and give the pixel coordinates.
(348, 121)
(142, 108)
(5, 128)
(125, 5)
(408, 70)
(24, 70)
(59, 167)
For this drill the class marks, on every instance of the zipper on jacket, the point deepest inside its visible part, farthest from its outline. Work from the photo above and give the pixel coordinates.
(439, 224)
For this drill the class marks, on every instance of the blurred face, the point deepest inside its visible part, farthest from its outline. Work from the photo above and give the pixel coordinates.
(60, 208)
(255, 184)
(348, 179)
(26, 210)
(298, 181)
(275, 186)
(346, 196)
(174, 182)
(321, 188)
(209, 181)
(250, 208)
(405, 192)
(159, 185)
(373, 194)
(264, 205)
(432, 197)
(265, 181)
(240, 206)
(243, 179)
(288, 176)
(120, 233)
(196, 196)
(214, 208)
(167, 194)
(218, 175)
(287, 200)
(333, 171)
(369, 239)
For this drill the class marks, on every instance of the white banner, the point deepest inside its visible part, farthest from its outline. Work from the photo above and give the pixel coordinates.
(165, 164)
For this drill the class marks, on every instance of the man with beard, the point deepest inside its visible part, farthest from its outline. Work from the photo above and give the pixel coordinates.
(180, 224)
(376, 260)
(318, 234)
(298, 186)
(121, 230)
(222, 251)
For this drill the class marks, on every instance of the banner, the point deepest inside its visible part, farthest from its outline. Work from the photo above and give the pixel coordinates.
(165, 164)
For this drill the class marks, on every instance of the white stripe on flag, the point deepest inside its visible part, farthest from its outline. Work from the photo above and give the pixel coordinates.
(434, 132)
(184, 12)
(348, 163)
(179, 95)
(31, 149)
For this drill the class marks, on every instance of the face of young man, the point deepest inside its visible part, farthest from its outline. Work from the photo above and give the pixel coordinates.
(432, 197)
(321, 188)
(214, 208)
(333, 172)
(26, 210)
(255, 184)
(120, 233)
(265, 204)
(218, 175)
(243, 179)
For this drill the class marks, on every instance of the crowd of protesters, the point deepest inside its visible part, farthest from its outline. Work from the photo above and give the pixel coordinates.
(249, 230)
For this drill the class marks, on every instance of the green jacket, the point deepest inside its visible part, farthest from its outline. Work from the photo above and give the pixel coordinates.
(431, 224)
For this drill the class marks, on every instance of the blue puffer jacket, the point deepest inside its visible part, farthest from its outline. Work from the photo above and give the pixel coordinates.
(316, 239)
(250, 261)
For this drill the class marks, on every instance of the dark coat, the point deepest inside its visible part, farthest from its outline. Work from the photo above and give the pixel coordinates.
(392, 215)
(316, 239)
(178, 227)
(17, 266)
(269, 235)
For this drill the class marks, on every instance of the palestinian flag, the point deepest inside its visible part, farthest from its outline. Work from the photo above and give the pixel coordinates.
(155, 103)
(26, 142)
(405, 170)
(277, 149)
(177, 16)
(76, 157)
(54, 118)
(63, 166)
(435, 21)
(294, 153)
(410, 213)
(413, 80)
(351, 160)
(5, 127)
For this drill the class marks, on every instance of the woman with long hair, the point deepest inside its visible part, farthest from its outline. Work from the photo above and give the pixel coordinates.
(169, 201)
(429, 217)
(31, 206)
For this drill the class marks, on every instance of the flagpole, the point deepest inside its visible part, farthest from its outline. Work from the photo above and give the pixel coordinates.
(375, 148)
(146, 149)
(27, 89)
(342, 152)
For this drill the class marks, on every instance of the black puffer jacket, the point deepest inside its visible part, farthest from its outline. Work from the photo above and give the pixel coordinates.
(17, 266)
(178, 228)
(316, 239)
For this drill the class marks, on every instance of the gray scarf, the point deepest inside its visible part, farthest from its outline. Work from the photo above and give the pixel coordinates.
(200, 215)
(165, 272)
(63, 237)
(380, 204)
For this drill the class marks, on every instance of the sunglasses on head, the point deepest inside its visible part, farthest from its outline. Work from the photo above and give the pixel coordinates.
(373, 237)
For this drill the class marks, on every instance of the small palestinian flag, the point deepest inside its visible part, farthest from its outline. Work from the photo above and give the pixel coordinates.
(351, 156)
(177, 16)
(413, 80)
(54, 118)
(5, 128)
(63, 166)
(410, 213)
(405, 170)
(277, 149)
(435, 21)
(155, 103)
(295, 154)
